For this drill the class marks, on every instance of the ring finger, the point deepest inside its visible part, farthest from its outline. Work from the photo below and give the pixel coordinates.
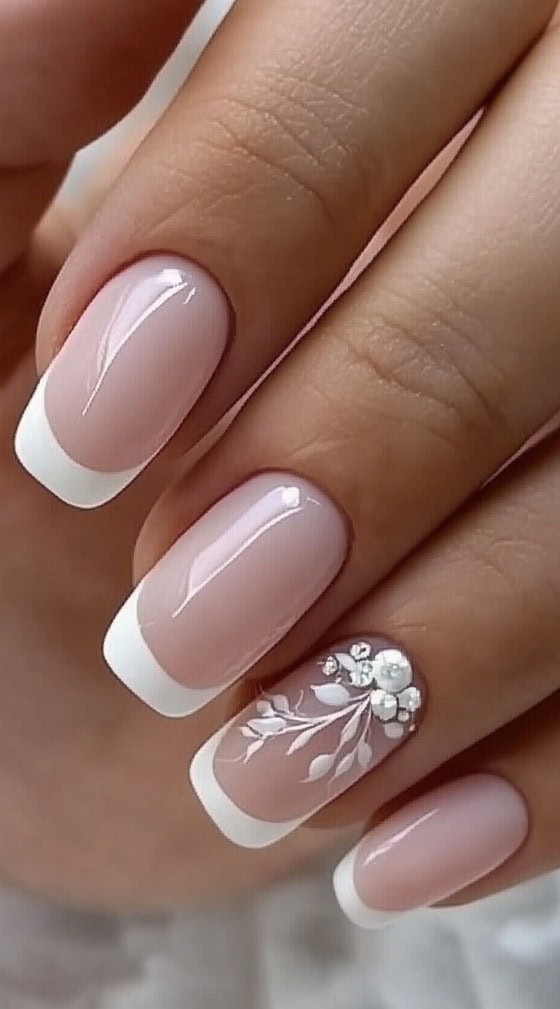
(398, 420)
(477, 608)
(492, 824)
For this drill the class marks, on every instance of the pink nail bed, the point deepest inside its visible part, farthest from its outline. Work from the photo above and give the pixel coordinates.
(431, 849)
(308, 739)
(227, 591)
(125, 380)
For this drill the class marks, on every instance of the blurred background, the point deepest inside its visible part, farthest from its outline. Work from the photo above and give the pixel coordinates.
(288, 948)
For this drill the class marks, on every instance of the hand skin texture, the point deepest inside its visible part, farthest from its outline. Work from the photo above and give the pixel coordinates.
(341, 547)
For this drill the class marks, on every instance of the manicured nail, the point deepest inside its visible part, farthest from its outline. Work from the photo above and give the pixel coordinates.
(228, 590)
(307, 740)
(126, 378)
(431, 849)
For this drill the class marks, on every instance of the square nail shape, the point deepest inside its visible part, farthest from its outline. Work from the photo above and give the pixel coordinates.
(226, 592)
(308, 739)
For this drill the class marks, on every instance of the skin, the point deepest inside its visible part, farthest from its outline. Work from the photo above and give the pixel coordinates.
(422, 405)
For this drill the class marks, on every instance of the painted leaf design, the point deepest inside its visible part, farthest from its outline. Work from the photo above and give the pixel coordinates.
(252, 748)
(281, 703)
(302, 739)
(247, 732)
(321, 766)
(264, 707)
(365, 755)
(334, 695)
(267, 726)
(345, 764)
(347, 662)
(351, 728)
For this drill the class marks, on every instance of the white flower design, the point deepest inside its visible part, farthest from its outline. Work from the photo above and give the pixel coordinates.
(385, 694)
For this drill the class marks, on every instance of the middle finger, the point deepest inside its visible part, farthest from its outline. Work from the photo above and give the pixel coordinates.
(405, 399)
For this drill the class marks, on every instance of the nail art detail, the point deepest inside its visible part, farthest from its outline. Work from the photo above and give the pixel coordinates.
(298, 746)
(352, 698)
(127, 376)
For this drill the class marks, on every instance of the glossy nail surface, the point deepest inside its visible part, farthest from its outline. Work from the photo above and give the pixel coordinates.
(228, 590)
(307, 740)
(431, 849)
(125, 379)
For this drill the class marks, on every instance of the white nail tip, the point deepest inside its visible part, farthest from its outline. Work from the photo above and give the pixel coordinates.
(239, 828)
(129, 657)
(44, 458)
(351, 903)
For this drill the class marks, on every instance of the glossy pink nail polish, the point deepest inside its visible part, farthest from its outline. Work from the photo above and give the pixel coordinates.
(124, 381)
(228, 590)
(431, 849)
(309, 738)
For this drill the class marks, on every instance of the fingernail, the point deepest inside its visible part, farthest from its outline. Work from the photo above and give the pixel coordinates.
(124, 381)
(431, 849)
(227, 591)
(307, 740)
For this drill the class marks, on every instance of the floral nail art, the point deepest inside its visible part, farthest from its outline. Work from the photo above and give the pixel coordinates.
(358, 688)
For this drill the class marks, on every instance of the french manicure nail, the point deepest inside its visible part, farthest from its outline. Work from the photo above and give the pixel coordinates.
(297, 747)
(228, 590)
(432, 848)
(125, 379)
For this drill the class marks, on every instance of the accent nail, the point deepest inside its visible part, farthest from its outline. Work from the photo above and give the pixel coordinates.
(307, 740)
(125, 380)
(431, 849)
(228, 590)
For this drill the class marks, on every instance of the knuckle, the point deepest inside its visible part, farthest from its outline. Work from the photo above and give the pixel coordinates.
(269, 149)
(509, 556)
(282, 141)
(426, 350)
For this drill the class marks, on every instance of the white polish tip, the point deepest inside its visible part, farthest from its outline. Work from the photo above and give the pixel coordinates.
(351, 903)
(237, 826)
(44, 459)
(132, 662)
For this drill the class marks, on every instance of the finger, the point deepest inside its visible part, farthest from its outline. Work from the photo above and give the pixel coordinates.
(477, 609)
(290, 121)
(68, 72)
(25, 284)
(71, 71)
(406, 398)
(23, 288)
(24, 194)
(491, 825)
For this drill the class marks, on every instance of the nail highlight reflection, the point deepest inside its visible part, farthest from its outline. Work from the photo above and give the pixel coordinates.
(431, 848)
(228, 590)
(124, 381)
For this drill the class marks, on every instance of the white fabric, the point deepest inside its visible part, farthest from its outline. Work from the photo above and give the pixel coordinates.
(287, 949)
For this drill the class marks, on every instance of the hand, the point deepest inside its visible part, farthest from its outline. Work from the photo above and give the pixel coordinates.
(89, 780)
(290, 144)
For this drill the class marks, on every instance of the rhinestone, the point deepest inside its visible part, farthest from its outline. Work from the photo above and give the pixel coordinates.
(359, 678)
(404, 716)
(410, 699)
(392, 670)
(364, 675)
(393, 730)
(361, 650)
(330, 666)
(384, 706)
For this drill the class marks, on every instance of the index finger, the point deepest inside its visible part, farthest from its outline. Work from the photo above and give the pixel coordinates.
(296, 115)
